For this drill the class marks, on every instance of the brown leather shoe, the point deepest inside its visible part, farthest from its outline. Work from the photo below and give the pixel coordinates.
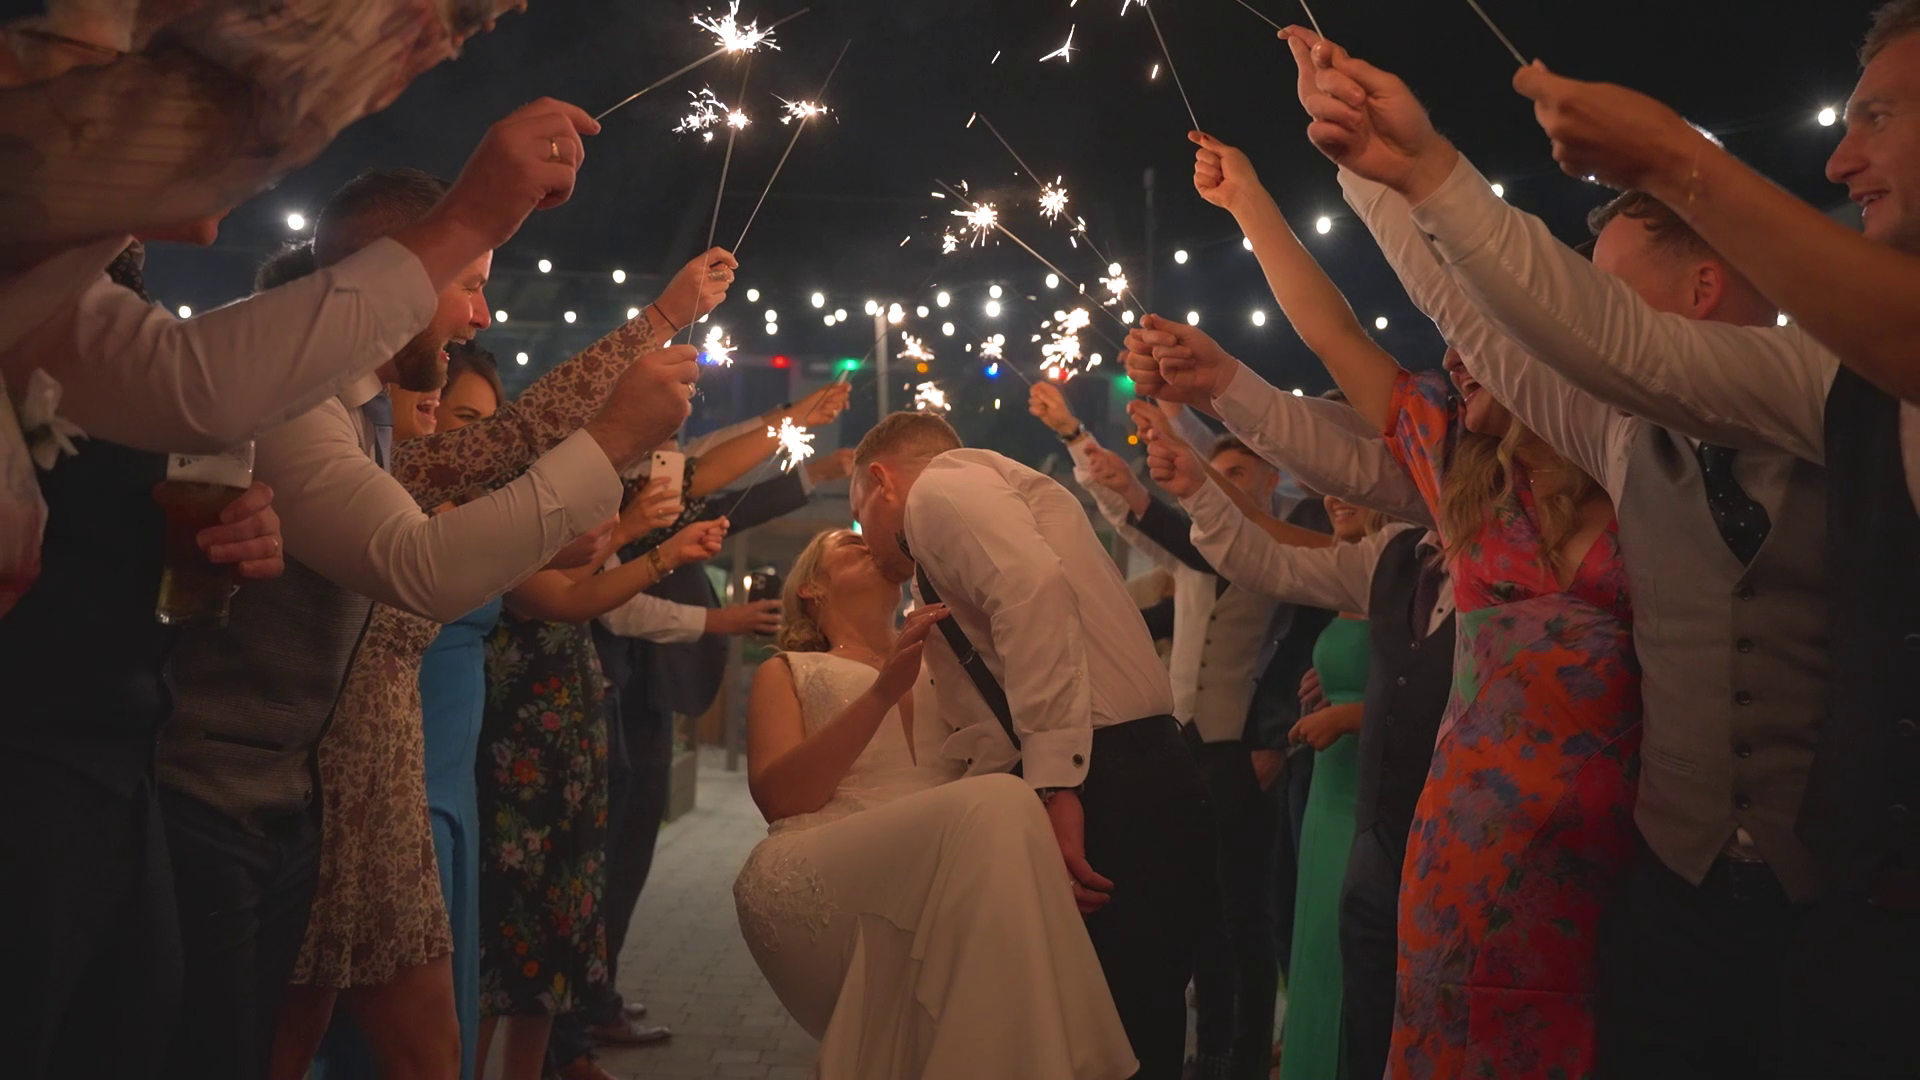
(630, 1033)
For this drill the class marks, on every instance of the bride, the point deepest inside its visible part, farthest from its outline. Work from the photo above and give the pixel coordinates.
(918, 925)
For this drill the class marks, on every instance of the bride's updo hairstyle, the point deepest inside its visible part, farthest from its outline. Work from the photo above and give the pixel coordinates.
(799, 626)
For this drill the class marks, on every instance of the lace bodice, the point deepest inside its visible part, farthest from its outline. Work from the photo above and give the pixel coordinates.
(884, 771)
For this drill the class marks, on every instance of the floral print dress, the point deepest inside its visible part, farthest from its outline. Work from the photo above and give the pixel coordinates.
(1526, 822)
(542, 775)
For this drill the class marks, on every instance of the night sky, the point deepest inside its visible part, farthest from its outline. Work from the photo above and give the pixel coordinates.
(1755, 74)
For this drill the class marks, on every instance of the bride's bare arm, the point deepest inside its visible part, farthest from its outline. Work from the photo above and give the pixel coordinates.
(790, 772)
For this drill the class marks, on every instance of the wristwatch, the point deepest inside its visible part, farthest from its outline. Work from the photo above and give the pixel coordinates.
(1072, 436)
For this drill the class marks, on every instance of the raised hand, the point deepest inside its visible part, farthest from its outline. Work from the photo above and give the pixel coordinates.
(699, 287)
(696, 543)
(902, 666)
(753, 617)
(823, 406)
(652, 399)
(656, 505)
(248, 536)
(1222, 174)
(1622, 137)
(1170, 460)
(1367, 120)
(1049, 406)
(1110, 471)
(837, 465)
(1184, 365)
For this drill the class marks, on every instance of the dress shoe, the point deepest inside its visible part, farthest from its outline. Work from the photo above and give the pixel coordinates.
(630, 1033)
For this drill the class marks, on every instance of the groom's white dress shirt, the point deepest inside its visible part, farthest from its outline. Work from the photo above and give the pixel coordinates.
(1012, 554)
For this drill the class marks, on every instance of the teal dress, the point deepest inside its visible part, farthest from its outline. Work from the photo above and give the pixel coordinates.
(453, 695)
(1313, 1043)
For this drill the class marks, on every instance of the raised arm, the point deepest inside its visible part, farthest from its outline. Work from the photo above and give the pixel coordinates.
(1742, 386)
(1858, 296)
(1180, 471)
(1318, 311)
(456, 465)
(728, 461)
(790, 772)
(577, 596)
(1591, 433)
(1336, 577)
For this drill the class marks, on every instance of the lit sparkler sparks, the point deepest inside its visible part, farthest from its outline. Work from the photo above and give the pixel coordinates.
(994, 348)
(795, 442)
(800, 110)
(707, 111)
(1116, 286)
(1053, 200)
(1062, 354)
(717, 350)
(982, 218)
(928, 397)
(730, 35)
(1064, 52)
(737, 119)
(912, 348)
(949, 243)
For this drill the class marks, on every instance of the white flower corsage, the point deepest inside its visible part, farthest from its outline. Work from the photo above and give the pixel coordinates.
(49, 437)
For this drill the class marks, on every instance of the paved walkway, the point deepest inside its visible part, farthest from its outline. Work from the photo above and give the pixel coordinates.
(685, 959)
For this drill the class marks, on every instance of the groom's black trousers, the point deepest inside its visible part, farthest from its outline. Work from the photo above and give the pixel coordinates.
(1149, 830)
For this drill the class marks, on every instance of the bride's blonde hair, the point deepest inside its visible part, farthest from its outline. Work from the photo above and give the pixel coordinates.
(799, 616)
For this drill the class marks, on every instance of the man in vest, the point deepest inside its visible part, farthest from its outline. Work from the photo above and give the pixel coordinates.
(1683, 993)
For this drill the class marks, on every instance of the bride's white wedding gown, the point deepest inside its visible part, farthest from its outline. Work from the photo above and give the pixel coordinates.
(921, 926)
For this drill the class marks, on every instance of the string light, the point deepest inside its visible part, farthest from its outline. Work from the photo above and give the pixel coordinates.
(922, 311)
(1499, 191)
(1180, 256)
(1828, 116)
(1380, 323)
(871, 308)
(520, 358)
(1246, 243)
(839, 314)
(1053, 281)
(941, 299)
(773, 328)
(946, 329)
(296, 221)
(545, 265)
(818, 300)
(993, 309)
(619, 277)
(994, 291)
(1323, 225)
(753, 297)
(569, 316)
(186, 312)
(1259, 317)
(633, 313)
(1193, 318)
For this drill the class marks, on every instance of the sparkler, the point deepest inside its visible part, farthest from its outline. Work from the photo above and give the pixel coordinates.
(994, 347)
(912, 348)
(795, 442)
(735, 121)
(709, 58)
(1116, 287)
(982, 218)
(928, 397)
(707, 111)
(717, 350)
(1171, 70)
(1053, 200)
(1482, 12)
(1063, 353)
(734, 38)
(1028, 248)
(1315, 23)
(1064, 52)
(802, 111)
(949, 243)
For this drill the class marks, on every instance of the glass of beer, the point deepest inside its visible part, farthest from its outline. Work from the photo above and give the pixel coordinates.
(196, 490)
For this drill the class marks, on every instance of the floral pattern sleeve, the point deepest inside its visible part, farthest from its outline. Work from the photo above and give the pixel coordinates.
(458, 465)
(1421, 430)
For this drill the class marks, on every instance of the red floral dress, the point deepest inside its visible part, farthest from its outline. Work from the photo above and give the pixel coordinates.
(1526, 822)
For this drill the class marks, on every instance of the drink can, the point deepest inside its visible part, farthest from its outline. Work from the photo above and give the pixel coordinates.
(197, 489)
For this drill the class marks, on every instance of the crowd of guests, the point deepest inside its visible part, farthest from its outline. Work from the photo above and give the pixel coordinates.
(1570, 732)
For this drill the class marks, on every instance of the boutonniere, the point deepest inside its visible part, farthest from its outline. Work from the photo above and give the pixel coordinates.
(49, 436)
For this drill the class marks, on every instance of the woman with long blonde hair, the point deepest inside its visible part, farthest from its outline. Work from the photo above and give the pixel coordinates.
(915, 923)
(1525, 823)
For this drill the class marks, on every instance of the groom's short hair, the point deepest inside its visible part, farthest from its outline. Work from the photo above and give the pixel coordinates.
(907, 434)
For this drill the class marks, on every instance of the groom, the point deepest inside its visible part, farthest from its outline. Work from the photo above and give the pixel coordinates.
(1046, 670)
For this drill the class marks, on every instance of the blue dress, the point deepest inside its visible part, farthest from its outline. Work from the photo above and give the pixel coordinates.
(453, 697)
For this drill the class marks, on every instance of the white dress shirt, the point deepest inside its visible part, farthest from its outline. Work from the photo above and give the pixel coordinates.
(1012, 554)
(1337, 578)
(1326, 445)
(650, 618)
(1196, 600)
(1592, 434)
(133, 373)
(1739, 386)
(349, 521)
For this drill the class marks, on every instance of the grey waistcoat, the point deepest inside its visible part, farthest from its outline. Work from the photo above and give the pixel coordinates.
(251, 700)
(1734, 659)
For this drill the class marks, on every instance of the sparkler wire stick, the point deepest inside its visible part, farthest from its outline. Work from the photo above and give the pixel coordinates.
(1064, 276)
(797, 129)
(1315, 23)
(720, 193)
(1175, 72)
(1482, 12)
(715, 54)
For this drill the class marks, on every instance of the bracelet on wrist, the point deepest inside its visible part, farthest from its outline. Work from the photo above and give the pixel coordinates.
(662, 312)
(658, 561)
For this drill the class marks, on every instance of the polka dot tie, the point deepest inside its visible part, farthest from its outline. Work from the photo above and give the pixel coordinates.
(1743, 522)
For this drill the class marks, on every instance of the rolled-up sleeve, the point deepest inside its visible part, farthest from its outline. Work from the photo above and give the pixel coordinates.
(135, 374)
(352, 523)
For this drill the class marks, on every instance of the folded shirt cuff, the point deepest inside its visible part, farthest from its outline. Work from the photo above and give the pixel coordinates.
(1056, 759)
(582, 479)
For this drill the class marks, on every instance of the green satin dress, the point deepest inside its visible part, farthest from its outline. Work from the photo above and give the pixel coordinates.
(1313, 1043)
